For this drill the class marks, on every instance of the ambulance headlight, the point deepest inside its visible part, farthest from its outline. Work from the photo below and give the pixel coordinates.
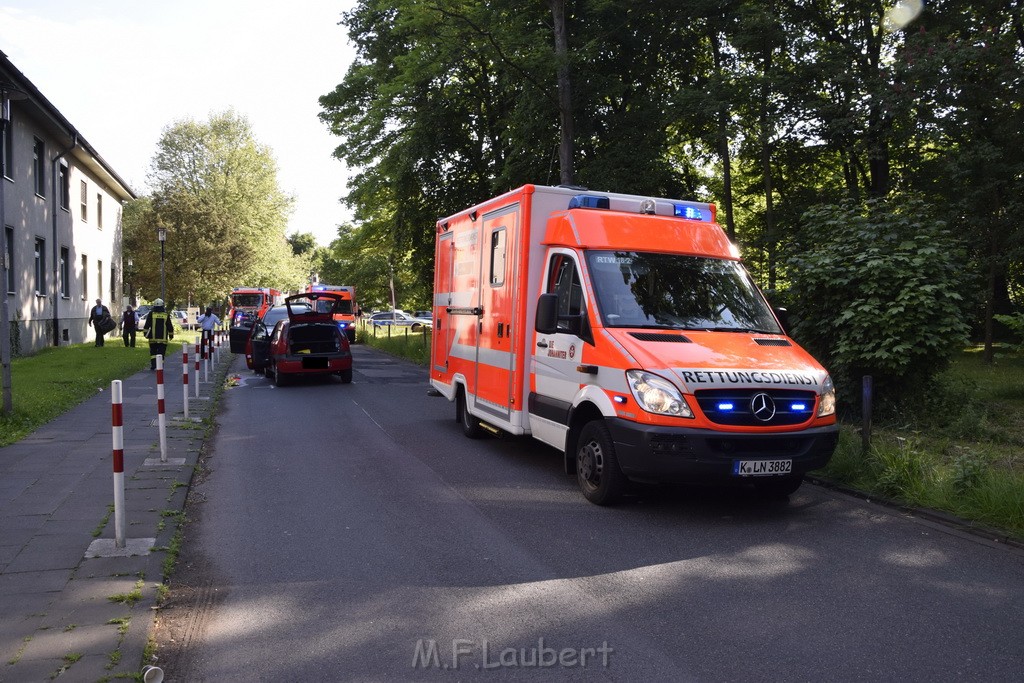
(656, 395)
(827, 406)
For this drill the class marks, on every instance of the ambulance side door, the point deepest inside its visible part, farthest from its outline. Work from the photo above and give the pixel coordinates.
(497, 302)
(558, 355)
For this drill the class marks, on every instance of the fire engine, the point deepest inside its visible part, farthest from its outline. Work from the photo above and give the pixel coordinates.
(625, 332)
(248, 303)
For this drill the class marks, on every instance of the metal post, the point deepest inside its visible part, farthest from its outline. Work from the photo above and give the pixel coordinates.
(184, 375)
(161, 234)
(117, 420)
(197, 370)
(161, 419)
(867, 396)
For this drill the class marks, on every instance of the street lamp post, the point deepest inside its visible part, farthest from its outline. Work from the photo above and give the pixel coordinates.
(161, 234)
(7, 93)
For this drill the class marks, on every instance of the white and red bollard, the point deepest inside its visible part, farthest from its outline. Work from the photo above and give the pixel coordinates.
(184, 375)
(161, 420)
(197, 369)
(117, 436)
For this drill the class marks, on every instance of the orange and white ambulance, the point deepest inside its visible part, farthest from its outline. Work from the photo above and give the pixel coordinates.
(625, 332)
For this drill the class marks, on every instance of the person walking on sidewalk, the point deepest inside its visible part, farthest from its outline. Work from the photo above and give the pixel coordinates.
(97, 316)
(208, 323)
(158, 330)
(129, 325)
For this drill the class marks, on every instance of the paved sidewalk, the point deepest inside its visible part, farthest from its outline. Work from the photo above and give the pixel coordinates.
(64, 613)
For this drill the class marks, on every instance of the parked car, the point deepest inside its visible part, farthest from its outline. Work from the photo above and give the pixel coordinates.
(399, 319)
(268, 321)
(306, 342)
(180, 319)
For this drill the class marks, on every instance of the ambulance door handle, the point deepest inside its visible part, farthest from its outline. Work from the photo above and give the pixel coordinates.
(542, 344)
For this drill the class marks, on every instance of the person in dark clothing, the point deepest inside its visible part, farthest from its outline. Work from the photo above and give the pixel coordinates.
(97, 314)
(129, 325)
(158, 330)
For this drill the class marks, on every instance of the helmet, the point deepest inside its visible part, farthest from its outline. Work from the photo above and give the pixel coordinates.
(158, 302)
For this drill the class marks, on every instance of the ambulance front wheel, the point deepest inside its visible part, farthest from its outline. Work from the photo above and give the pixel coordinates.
(597, 467)
(470, 425)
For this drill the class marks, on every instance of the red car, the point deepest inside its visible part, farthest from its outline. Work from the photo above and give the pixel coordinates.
(307, 342)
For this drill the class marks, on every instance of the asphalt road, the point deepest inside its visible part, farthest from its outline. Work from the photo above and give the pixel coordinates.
(350, 532)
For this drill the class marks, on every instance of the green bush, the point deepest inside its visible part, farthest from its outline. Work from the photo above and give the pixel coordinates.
(878, 291)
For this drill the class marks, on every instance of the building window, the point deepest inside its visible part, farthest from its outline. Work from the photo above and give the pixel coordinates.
(65, 186)
(99, 210)
(65, 257)
(99, 278)
(40, 266)
(8, 158)
(9, 234)
(85, 202)
(113, 283)
(39, 166)
(85, 277)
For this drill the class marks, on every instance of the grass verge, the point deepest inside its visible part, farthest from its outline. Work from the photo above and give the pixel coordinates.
(398, 341)
(54, 380)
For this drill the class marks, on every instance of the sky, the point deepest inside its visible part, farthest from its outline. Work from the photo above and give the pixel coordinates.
(122, 71)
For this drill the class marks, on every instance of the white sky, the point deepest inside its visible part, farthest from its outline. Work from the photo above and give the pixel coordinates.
(122, 70)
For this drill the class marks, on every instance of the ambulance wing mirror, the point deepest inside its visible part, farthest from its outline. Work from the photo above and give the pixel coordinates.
(547, 314)
(783, 315)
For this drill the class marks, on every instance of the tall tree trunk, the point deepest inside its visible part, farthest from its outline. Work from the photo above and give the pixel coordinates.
(566, 149)
(766, 169)
(723, 146)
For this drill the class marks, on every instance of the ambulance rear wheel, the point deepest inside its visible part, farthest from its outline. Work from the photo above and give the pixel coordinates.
(597, 467)
(470, 425)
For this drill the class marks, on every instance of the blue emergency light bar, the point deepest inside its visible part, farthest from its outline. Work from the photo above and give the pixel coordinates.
(689, 212)
(589, 201)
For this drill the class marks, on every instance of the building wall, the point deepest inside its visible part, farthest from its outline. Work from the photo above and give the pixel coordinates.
(29, 212)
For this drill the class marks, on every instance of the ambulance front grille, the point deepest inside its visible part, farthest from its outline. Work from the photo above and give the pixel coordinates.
(736, 407)
(659, 337)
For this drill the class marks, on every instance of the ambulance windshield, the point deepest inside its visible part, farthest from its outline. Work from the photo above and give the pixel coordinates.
(642, 289)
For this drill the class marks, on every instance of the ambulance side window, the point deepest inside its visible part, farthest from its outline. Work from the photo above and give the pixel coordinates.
(564, 280)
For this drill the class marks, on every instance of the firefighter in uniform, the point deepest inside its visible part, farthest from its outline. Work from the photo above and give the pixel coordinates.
(158, 330)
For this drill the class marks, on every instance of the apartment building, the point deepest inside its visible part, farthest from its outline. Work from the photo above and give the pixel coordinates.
(61, 211)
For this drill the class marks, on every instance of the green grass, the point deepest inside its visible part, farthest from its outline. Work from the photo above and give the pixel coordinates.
(401, 342)
(963, 453)
(54, 380)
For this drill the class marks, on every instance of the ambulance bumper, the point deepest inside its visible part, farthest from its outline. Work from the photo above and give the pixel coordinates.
(665, 454)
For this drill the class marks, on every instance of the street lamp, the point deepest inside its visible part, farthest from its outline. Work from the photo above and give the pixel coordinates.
(7, 93)
(161, 234)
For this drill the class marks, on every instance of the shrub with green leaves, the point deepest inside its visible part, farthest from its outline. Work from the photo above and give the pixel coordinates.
(879, 289)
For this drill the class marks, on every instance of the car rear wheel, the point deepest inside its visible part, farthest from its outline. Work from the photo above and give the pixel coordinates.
(597, 467)
(346, 376)
(280, 379)
(416, 327)
(470, 425)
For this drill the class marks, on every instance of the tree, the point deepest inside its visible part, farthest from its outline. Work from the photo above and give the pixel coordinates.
(215, 191)
(877, 288)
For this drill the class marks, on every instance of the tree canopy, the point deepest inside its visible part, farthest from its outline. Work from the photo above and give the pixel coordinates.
(215, 191)
(766, 107)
